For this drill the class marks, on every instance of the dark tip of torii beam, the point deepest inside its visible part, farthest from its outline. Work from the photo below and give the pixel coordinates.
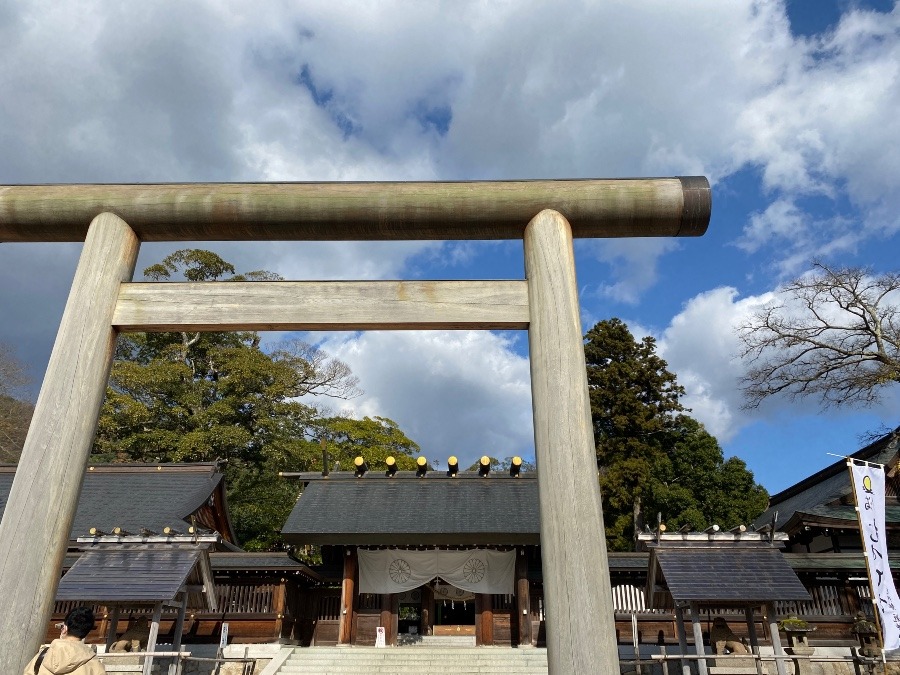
(625, 207)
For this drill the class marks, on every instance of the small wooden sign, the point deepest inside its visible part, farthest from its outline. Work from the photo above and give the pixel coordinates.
(379, 636)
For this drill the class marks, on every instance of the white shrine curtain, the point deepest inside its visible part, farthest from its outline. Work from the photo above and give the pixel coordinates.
(474, 570)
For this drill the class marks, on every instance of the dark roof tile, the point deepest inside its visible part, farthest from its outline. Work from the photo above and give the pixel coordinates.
(135, 496)
(416, 511)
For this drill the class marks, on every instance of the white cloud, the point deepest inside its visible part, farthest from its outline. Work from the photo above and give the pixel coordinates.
(827, 125)
(632, 265)
(702, 348)
(463, 393)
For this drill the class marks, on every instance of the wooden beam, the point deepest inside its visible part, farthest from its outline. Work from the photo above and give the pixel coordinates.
(581, 631)
(649, 207)
(41, 506)
(322, 305)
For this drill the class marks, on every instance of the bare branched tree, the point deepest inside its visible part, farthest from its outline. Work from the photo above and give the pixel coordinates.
(320, 374)
(12, 374)
(15, 414)
(835, 337)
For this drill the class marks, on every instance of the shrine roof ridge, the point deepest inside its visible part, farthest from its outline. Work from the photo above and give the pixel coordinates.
(433, 474)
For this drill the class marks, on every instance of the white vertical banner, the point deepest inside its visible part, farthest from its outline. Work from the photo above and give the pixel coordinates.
(868, 486)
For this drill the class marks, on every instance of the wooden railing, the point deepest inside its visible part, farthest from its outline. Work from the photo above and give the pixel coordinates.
(245, 598)
(264, 611)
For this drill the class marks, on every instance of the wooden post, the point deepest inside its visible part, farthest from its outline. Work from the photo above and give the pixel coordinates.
(682, 638)
(348, 597)
(38, 517)
(698, 638)
(279, 606)
(151, 639)
(487, 619)
(427, 624)
(578, 598)
(179, 629)
(523, 600)
(385, 617)
(754, 640)
(112, 625)
(395, 619)
(479, 624)
(780, 668)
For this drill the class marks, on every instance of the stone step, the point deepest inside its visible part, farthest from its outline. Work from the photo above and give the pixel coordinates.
(421, 660)
(424, 653)
(421, 668)
(430, 667)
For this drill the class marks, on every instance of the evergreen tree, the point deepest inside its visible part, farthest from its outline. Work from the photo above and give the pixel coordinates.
(652, 457)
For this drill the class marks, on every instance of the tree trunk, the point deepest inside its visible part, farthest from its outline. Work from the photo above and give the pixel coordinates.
(637, 516)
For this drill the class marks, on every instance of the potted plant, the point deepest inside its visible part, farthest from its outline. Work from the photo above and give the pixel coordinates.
(797, 630)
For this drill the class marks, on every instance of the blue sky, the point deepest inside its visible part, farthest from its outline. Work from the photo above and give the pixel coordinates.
(790, 109)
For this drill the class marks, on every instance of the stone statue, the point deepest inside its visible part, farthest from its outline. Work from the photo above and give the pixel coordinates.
(723, 639)
(134, 638)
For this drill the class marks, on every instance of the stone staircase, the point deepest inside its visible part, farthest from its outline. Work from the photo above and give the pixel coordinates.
(406, 640)
(419, 660)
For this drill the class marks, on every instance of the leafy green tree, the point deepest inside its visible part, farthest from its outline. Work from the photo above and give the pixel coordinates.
(187, 397)
(652, 457)
(373, 439)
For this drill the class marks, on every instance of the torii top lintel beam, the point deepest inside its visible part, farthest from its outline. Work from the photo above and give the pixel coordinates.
(645, 207)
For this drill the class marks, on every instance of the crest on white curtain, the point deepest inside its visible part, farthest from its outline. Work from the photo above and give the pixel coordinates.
(473, 570)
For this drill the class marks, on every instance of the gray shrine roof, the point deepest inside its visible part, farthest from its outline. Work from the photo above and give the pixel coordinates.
(730, 575)
(725, 575)
(825, 498)
(409, 511)
(139, 496)
(140, 574)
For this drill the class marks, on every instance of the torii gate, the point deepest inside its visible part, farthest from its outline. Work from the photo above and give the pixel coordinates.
(112, 220)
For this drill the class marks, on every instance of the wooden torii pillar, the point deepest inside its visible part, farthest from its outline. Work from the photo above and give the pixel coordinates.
(113, 219)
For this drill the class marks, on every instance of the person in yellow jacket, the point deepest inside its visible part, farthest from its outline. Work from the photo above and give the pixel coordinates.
(68, 655)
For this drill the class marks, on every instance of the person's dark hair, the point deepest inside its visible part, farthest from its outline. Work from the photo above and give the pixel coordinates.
(80, 621)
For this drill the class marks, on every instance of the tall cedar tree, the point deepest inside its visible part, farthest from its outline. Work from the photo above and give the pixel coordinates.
(651, 456)
(188, 397)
